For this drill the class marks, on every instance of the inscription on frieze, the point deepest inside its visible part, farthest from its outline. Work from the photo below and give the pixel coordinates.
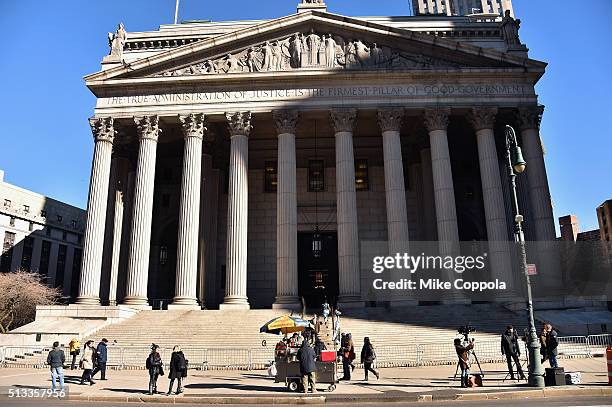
(322, 93)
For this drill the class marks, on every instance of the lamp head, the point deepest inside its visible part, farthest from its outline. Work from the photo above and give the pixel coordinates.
(518, 162)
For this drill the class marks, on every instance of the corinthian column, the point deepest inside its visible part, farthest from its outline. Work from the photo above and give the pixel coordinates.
(483, 119)
(148, 131)
(187, 251)
(91, 269)
(343, 121)
(436, 121)
(237, 212)
(390, 121)
(286, 212)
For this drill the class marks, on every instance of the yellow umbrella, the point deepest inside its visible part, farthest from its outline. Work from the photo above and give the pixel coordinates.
(285, 324)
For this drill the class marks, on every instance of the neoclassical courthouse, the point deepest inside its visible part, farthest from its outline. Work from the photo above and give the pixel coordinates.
(242, 164)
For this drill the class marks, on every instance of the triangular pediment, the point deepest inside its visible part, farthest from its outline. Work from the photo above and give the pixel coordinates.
(314, 41)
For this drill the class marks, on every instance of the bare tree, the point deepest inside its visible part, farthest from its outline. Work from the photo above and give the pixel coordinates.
(20, 293)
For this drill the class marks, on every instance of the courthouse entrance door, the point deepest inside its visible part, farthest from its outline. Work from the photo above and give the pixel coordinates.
(318, 277)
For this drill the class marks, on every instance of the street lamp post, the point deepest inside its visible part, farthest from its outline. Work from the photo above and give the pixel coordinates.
(516, 165)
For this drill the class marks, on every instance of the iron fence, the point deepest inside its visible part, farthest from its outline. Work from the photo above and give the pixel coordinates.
(228, 358)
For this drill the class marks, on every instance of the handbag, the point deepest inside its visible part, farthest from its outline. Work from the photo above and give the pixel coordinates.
(161, 370)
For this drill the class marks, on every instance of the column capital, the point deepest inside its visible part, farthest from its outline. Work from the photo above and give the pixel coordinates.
(285, 121)
(147, 127)
(436, 118)
(390, 119)
(239, 123)
(343, 119)
(482, 117)
(103, 129)
(193, 125)
(530, 117)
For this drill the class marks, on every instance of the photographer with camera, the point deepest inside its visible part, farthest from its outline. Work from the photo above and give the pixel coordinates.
(464, 360)
(510, 347)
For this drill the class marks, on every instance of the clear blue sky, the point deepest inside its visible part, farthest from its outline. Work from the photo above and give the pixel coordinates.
(46, 144)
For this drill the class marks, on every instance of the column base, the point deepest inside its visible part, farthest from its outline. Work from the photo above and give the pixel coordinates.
(350, 301)
(85, 300)
(137, 303)
(289, 303)
(234, 306)
(403, 303)
(184, 307)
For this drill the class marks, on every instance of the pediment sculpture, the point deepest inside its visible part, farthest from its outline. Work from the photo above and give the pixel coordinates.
(311, 50)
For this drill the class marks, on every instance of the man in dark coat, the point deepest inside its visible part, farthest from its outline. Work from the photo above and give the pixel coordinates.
(55, 360)
(308, 367)
(155, 366)
(551, 345)
(511, 348)
(178, 369)
(101, 359)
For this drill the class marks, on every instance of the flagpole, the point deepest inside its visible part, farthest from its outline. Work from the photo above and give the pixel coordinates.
(176, 11)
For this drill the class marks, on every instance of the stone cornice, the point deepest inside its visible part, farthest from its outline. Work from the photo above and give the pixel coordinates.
(239, 123)
(285, 121)
(482, 117)
(436, 118)
(390, 119)
(530, 117)
(343, 119)
(147, 127)
(193, 125)
(103, 129)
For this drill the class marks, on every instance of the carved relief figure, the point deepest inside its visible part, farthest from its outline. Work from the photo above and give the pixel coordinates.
(330, 51)
(117, 40)
(510, 29)
(310, 50)
(313, 47)
(296, 51)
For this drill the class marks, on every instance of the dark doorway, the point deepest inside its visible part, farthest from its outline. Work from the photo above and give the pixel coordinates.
(318, 277)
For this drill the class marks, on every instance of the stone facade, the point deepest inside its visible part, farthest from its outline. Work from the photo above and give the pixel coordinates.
(312, 128)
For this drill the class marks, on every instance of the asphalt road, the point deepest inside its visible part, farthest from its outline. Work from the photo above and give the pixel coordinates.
(548, 402)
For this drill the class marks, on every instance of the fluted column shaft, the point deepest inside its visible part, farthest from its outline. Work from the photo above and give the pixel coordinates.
(429, 207)
(436, 121)
(117, 229)
(91, 269)
(286, 212)
(390, 121)
(483, 120)
(343, 121)
(539, 193)
(189, 213)
(237, 212)
(142, 215)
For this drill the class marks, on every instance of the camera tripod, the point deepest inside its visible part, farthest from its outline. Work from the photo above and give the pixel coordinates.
(524, 364)
(471, 353)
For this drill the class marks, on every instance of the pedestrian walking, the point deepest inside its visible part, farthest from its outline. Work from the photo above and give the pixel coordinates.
(55, 360)
(101, 358)
(551, 345)
(345, 355)
(464, 360)
(511, 348)
(87, 362)
(75, 350)
(368, 356)
(154, 365)
(351, 347)
(306, 356)
(178, 369)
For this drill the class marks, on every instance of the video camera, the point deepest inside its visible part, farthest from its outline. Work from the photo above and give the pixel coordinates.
(465, 330)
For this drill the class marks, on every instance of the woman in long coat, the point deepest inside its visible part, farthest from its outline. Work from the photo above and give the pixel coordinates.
(87, 362)
(367, 358)
(178, 369)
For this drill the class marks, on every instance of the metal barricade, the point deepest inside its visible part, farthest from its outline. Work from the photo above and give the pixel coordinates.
(571, 346)
(598, 343)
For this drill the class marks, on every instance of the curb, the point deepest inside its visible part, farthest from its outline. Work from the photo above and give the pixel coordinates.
(528, 394)
(301, 400)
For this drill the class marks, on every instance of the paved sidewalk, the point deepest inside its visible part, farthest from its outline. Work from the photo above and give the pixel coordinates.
(394, 384)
